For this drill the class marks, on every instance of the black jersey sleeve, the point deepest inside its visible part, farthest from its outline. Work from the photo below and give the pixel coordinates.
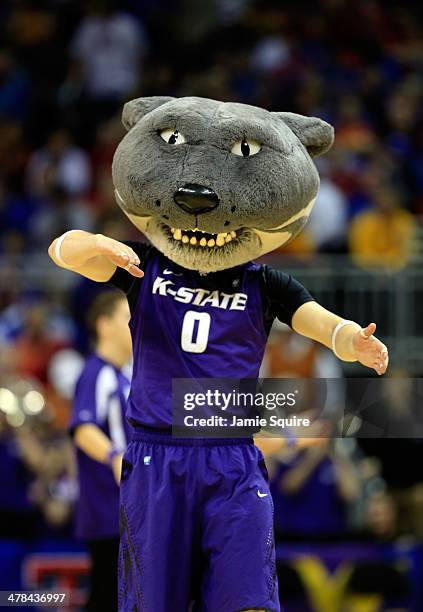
(282, 296)
(129, 284)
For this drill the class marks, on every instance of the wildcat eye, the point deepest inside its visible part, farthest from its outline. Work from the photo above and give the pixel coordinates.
(173, 137)
(246, 148)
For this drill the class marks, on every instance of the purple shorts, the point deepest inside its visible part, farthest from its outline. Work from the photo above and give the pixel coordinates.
(196, 524)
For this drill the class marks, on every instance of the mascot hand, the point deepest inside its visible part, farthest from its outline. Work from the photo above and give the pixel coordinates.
(119, 254)
(370, 351)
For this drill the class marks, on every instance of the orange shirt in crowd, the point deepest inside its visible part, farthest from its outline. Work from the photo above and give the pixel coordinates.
(379, 238)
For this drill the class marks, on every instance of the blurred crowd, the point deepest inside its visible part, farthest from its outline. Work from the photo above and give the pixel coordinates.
(66, 68)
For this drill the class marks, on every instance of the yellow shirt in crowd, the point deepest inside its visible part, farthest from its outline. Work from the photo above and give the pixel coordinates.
(379, 238)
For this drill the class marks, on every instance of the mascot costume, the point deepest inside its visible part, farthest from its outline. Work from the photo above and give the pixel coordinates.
(213, 186)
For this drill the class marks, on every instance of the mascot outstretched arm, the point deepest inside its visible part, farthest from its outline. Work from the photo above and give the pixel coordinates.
(213, 186)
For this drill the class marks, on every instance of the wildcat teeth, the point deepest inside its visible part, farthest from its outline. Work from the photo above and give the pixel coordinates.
(218, 240)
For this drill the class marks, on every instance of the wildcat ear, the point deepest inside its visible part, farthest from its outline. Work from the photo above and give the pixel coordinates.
(316, 135)
(134, 110)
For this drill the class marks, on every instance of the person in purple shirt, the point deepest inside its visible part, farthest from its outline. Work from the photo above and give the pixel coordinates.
(312, 488)
(196, 514)
(101, 433)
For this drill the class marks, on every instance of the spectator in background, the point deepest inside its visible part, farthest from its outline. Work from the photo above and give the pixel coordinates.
(32, 29)
(48, 453)
(64, 369)
(108, 47)
(289, 355)
(17, 211)
(60, 163)
(36, 342)
(354, 132)
(14, 87)
(100, 433)
(13, 153)
(270, 54)
(311, 490)
(58, 211)
(37, 476)
(18, 516)
(382, 237)
(381, 516)
(108, 135)
(328, 221)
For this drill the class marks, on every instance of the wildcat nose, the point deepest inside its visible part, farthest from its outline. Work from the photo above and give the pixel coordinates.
(196, 199)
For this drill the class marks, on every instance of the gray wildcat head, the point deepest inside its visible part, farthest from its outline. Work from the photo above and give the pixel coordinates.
(214, 184)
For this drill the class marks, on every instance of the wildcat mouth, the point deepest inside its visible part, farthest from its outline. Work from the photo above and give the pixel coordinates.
(199, 250)
(196, 249)
(200, 239)
(203, 251)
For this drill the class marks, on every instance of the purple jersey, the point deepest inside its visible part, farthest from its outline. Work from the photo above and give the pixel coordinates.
(100, 398)
(188, 325)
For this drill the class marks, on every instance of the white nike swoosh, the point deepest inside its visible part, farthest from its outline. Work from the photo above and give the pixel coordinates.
(167, 271)
(262, 494)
